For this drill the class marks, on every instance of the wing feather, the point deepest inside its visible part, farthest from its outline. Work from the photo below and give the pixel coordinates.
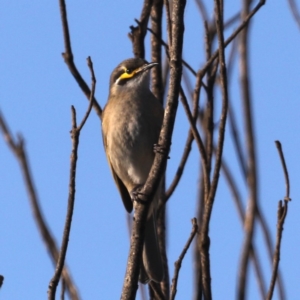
(120, 185)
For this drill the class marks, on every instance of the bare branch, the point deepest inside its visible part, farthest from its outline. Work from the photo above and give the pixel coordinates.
(75, 134)
(63, 288)
(295, 11)
(181, 257)
(156, 25)
(194, 130)
(251, 156)
(158, 88)
(238, 202)
(1, 280)
(169, 23)
(132, 272)
(138, 33)
(69, 59)
(18, 148)
(180, 169)
(202, 10)
(234, 34)
(281, 214)
(205, 264)
(93, 87)
(285, 171)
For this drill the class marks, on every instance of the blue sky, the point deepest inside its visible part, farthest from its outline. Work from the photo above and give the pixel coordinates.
(36, 92)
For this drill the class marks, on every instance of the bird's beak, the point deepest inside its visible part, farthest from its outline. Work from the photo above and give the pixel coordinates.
(146, 67)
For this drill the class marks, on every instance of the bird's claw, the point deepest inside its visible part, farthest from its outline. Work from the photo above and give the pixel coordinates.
(136, 194)
(157, 148)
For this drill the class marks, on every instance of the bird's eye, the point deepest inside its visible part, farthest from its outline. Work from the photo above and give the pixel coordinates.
(128, 71)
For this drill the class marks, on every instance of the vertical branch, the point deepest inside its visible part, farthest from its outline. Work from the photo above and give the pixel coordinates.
(19, 150)
(132, 271)
(205, 260)
(138, 33)
(158, 91)
(1, 280)
(75, 133)
(232, 120)
(281, 214)
(156, 37)
(196, 99)
(209, 111)
(238, 202)
(285, 171)
(251, 156)
(168, 18)
(161, 232)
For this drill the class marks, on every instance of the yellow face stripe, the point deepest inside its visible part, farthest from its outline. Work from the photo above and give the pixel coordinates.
(126, 75)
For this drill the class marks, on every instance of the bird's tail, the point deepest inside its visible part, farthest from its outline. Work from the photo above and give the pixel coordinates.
(152, 266)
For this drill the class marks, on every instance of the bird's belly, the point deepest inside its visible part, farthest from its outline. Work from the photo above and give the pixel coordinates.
(131, 153)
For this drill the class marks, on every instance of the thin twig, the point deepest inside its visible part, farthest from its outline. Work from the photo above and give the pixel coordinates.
(138, 33)
(181, 257)
(158, 90)
(205, 263)
(93, 87)
(169, 23)
(267, 236)
(196, 105)
(238, 202)
(252, 181)
(180, 169)
(69, 59)
(285, 171)
(281, 214)
(261, 219)
(18, 149)
(75, 134)
(193, 127)
(63, 288)
(215, 55)
(156, 24)
(1, 280)
(163, 43)
(231, 116)
(208, 121)
(234, 34)
(192, 117)
(202, 10)
(295, 11)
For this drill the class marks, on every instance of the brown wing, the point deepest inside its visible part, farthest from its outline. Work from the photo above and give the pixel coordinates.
(120, 185)
(123, 191)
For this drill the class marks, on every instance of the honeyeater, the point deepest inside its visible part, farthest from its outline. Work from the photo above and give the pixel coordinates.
(131, 124)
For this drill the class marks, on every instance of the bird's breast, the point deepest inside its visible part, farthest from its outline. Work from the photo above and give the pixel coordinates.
(129, 142)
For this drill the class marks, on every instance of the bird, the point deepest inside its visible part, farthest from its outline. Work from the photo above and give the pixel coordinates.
(131, 124)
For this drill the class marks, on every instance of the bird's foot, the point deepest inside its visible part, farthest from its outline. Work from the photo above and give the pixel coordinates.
(136, 194)
(157, 148)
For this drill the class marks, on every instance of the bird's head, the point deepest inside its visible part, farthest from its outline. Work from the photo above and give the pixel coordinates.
(132, 73)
